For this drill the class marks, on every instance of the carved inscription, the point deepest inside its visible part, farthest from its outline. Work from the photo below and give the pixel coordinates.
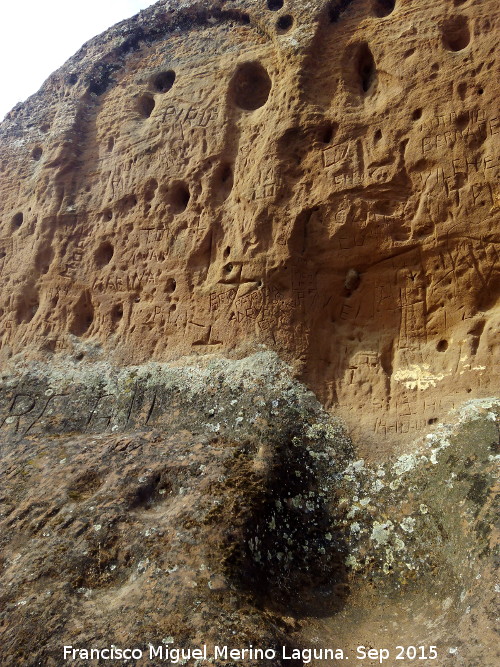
(190, 115)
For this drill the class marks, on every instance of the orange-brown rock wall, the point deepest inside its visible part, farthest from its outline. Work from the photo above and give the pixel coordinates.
(321, 179)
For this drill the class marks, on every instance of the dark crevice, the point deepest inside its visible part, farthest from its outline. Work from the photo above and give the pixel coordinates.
(337, 8)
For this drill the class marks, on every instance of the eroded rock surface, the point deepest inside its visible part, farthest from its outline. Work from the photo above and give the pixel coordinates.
(199, 195)
(317, 177)
(220, 504)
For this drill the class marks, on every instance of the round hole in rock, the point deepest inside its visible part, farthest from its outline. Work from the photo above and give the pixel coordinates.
(103, 254)
(456, 33)
(432, 420)
(480, 91)
(328, 133)
(17, 220)
(417, 114)
(250, 86)
(383, 8)
(36, 153)
(366, 70)
(227, 252)
(171, 285)
(228, 268)
(179, 197)
(223, 182)
(163, 81)
(151, 187)
(107, 214)
(145, 105)
(117, 312)
(275, 5)
(79, 356)
(284, 23)
(442, 346)
(377, 136)
(83, 315)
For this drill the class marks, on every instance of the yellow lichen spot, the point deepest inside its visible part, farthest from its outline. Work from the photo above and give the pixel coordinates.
(418, 377)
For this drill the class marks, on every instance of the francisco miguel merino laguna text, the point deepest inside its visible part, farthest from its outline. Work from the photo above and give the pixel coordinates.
(177, 655)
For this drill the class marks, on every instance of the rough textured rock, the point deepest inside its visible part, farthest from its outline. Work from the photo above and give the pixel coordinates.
(222, 505)
(321, 179)
(200, 193)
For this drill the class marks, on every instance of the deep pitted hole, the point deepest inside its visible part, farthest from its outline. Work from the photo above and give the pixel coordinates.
(432, 420)
(328, 132)
(250, 86)
(17, 220)
(145, 105)
(275, 5)
(442, 346)
(72, 79)
(117, 313)
(480, 91)
(151, 187)
(171, 285)
(462, 90)
(284, 23)
(107, 215)
(163, 81)
(179, 197)
(228, 268)
(456, 33)
(103, 254)
(462, 120)
(417, 114)
(36, 153)
(227, 252)
(366, 69)
(377, 136)
(223, 182)
(145, 495)
(83, 315)
(383, 8)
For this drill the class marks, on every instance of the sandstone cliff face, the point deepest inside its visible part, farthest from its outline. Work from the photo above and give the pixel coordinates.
(317, 177)
(201, 194)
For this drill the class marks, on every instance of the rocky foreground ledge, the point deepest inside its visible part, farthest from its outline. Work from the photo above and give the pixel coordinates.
(217, 503)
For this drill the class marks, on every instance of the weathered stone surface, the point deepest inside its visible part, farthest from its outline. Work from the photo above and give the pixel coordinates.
(199, 179)
(200, 193)
(222, 505)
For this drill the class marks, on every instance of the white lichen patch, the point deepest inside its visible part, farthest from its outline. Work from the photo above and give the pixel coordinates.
(408, 524)
(381, 532)
(405, 463)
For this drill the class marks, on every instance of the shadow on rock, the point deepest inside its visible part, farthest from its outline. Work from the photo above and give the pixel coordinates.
(287, 549)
